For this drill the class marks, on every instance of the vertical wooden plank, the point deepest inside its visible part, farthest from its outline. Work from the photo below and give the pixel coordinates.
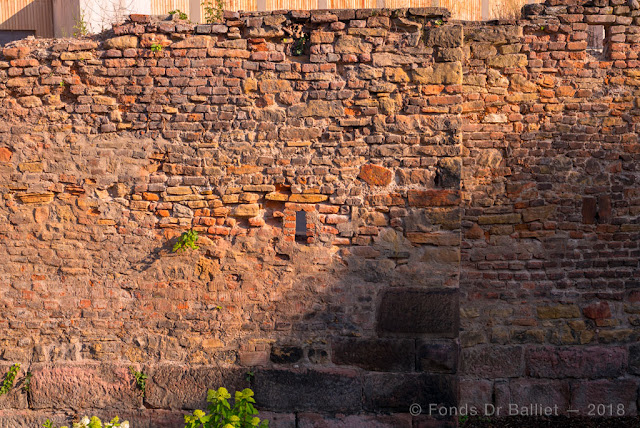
(485, 10)
(194, 11)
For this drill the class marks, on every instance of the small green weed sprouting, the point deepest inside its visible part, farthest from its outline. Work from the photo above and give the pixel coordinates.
(213, 13)
(438, 22)
(298, 47)
(80, 27)
(463, 418)
(187, 240)
(26, 386)
(7, 384)
(62, 83)
(221, 414)
(156, 47)
(250, 376)
(48, 424)
(542, 28)
(140, 378)
(180, 13)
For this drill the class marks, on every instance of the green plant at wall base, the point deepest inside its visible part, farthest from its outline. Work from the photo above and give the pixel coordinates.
(94, 422)
(140, 378)
(7, 384)
(187, 240)
(26, 386)
(222, 415)
(156, 47)
(250, 376)
(438, 22)
(213, 12)
(180, 13)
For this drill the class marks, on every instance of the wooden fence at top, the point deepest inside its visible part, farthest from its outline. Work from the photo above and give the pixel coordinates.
(33, 15)
(36, 15)
(465, 10)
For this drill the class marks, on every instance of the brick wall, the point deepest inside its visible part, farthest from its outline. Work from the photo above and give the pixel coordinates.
(550, 271)
(395, 209)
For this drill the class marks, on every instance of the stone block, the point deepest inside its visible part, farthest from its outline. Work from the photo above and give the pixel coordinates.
(606, 395)
(416, 312)
(314, 420)
(397, 392)
(492, 362)
(433, 198)
(286, 354)
(577, 362)
(121, 43)
(437, 357)
(475, 393)
(308, 390)
(445, 73)
(81, 386)
(530, 397)
(449, 36)
(317, 108)
(374, 354)
(183, 387)
(375, 175)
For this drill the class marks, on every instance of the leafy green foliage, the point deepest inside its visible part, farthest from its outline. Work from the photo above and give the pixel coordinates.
(298, 46)
(155, 47)
(180, 13)
(222, 415)
(94, 422)
(187, 240)
(7, 384)
(213, 12)
(80, 27)
(438, 22)
(26, 386)
(140, 378)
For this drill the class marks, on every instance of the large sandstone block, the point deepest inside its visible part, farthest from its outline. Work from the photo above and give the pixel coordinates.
(445, 36)
(492, 362)
(609, 396)
(418, 311)
(375, 354)
(437, 356)
(397, 392)
(310, 390)
(520, 393)
(314, 420)
(183, 387)
(446, 73)
(83, 385)
(318, 108)
(579, 362)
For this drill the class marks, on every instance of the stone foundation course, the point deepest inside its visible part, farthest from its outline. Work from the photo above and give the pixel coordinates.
(392, 208)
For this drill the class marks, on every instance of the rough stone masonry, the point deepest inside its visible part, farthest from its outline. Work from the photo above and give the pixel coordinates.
(392, 209)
